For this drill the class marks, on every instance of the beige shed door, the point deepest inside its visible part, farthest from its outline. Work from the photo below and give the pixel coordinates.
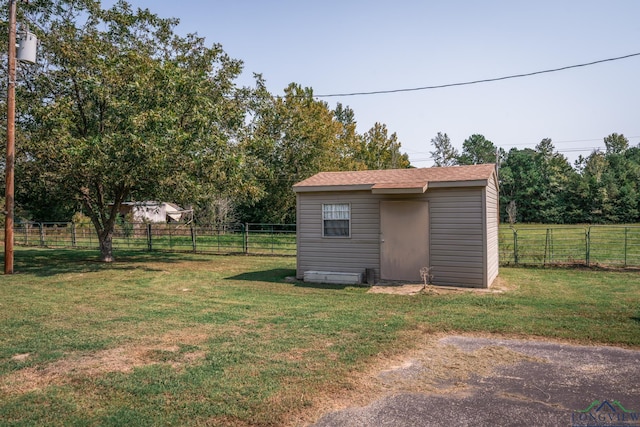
(404, 239)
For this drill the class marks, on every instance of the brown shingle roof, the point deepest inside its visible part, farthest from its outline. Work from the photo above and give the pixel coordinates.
(398, 178)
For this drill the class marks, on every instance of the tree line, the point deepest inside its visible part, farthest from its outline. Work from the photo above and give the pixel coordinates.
(121, 108)
(540, 185)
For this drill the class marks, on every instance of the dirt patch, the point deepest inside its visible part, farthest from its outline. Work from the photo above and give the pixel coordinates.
(396, 289)
(164, 350)
(445, 368)
(21, 357)
(401, 288)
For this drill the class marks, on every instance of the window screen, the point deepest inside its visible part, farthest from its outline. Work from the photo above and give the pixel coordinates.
(335, 220)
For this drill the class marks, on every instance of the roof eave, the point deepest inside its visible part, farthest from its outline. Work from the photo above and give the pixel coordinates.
(400, 190)
(449, 184)
(324, 188)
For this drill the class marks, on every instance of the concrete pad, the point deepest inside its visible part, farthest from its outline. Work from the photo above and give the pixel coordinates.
(332, 277)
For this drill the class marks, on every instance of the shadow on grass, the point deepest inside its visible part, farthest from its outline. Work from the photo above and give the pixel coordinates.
(280, 275)
(49, 262)
(328, 286)
(636, 319)
(275, 275)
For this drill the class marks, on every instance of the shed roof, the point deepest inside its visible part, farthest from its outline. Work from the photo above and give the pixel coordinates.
(391, 181)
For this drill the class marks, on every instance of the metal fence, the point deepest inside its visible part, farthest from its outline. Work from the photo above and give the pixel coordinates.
(597, 245)
(276, 239)
(617, 246)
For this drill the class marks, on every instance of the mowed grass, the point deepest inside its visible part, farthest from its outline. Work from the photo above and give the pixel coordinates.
(180, 339)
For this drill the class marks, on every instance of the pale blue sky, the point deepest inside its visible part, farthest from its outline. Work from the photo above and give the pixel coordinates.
(355, 45)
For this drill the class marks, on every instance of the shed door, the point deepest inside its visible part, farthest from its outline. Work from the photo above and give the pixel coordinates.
(404, 239)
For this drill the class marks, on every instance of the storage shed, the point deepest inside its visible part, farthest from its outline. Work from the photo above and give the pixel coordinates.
(386, 225)
(151, 211)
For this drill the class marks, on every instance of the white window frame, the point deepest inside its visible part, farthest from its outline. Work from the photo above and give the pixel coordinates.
(330, 214)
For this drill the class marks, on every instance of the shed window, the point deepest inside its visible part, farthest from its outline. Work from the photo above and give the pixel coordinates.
(336, 220)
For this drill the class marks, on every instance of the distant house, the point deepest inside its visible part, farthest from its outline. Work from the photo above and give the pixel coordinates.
(389, 224)
(152, 211)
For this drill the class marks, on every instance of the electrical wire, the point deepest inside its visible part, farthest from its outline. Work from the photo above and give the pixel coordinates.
(514, 76)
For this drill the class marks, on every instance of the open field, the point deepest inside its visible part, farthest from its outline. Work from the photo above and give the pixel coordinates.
(184, 339)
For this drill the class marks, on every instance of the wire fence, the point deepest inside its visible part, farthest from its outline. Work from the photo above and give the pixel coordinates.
(275, 239)
(597, 245)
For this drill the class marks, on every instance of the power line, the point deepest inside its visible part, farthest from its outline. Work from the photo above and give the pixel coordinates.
(560, 150)
(514, 76)
(520, 146)
(566, 150)
(574, 140)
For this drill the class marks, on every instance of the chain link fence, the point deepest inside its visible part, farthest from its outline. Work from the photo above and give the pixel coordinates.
(596, 245)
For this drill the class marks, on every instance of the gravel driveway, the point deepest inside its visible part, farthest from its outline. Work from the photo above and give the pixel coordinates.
(470, 381)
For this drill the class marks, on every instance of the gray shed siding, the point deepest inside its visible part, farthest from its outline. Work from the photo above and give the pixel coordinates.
(346, 255)
(457, 236)
(458, 247)
(493, 222)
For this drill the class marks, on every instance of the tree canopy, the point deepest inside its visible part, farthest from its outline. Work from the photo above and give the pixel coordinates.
(444, 153)
(540, 185)
(121, 107)
(602, 188)
(478, 150)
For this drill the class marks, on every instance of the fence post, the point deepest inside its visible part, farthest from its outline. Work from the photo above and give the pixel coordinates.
(245, 238)
(515, 246)
(73, 234)
(41, 234)
(587, 241)
(193, 237)
(149, 238)
(626, 235)
(546, 248)
(273, 239)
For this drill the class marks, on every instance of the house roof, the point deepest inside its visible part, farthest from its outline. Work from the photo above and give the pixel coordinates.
(399, 181)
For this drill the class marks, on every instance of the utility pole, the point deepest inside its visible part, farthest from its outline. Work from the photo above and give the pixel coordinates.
(11, 140)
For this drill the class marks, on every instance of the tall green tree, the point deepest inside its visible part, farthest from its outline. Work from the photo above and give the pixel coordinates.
(122, 108)
(293, 137)
(555, 173)
(519, 184)
(444, 153)
(537, 181)
(379, 150)
(623, 187)
(348, 144)
(478, 150)
(616, 143)
(609, 190)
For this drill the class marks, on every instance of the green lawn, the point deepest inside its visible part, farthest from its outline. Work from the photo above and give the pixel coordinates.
(180, 339)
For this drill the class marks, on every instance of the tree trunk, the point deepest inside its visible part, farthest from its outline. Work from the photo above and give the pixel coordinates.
(106, 246)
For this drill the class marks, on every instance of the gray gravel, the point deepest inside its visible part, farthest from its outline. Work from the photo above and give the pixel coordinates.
(549, 386)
